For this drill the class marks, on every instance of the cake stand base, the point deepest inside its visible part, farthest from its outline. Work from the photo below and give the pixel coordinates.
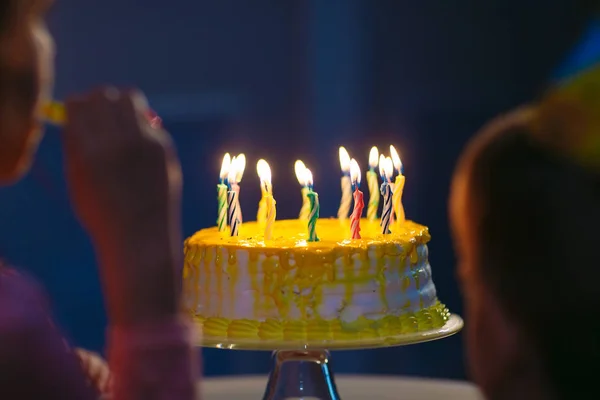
(301, 374)
(301, 369)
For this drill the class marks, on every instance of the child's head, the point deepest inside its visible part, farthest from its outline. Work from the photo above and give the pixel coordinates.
(26, 79)
(527, 229)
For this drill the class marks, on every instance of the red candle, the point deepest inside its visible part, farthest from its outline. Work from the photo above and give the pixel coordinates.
(359, 203)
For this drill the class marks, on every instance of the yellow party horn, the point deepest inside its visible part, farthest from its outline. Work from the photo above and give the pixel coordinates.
(54, 113)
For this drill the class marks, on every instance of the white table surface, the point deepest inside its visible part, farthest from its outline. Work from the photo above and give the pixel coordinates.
(350, 387)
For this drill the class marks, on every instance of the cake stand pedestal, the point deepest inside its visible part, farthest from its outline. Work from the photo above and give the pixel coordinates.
(302, 370)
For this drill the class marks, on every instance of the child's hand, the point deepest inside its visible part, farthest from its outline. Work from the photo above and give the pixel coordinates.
(96, 370)
(125, 185)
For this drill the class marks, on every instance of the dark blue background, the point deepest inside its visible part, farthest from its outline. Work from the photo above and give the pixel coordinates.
(285, 80)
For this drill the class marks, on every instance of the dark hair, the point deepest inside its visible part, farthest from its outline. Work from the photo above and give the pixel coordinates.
(536, 217)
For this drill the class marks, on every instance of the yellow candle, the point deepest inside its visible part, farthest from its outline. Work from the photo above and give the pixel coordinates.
(271, 215)
(264, 172)
(398, 187)
(346, 200)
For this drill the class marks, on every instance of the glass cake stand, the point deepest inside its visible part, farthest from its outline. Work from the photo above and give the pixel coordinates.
(301, 369)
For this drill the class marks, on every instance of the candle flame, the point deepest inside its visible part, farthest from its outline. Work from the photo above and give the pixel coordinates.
(240, 166)
(386, 167)
(225, 165)
(373, 157)
(299, 167)
(264, 172)
(308, 178)
(389, 168)
(396, 159)
(344, 160)
(232, 173)
(355, 172)
(382, 166)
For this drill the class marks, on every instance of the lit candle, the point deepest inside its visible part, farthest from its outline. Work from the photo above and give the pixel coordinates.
(386, 169)
(222, 194)
(359, 204)
(344, 209)
(313, 198)
(232, 201)
(373, 185)
(238, 164)
(264, 172)
(398, 187)
(300, 169)
(261, 215)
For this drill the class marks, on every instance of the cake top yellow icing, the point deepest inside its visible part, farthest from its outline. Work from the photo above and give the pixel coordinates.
(293, 234)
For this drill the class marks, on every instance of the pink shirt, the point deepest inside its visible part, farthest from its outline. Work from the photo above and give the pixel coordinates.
(155, 361)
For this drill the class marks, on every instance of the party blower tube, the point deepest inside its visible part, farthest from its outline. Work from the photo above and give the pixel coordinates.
(54, 113)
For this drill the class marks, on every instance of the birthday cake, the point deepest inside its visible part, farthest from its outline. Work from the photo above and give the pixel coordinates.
(358, 278)
(288, 288)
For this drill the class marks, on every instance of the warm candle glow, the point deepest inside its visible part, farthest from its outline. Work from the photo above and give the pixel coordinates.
(299, 168)
(240, 166)
(308, 178)
(373, 183)
(344, 160)
(355, 173)
(373, 157)
(396, 159)
(264, 173)
(225, 165)
(346, 200)
(382, 166)
(386, 167)
(232, 173)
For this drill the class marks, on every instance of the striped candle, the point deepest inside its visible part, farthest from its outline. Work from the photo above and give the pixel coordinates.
(386, 169)
(233, 214)
(313, 198)
(222, 193)
(313, 216)
(386, 214)
(222, 208)
(236, 172)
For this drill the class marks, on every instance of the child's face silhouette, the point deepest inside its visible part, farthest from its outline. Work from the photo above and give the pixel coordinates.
(26, 80)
